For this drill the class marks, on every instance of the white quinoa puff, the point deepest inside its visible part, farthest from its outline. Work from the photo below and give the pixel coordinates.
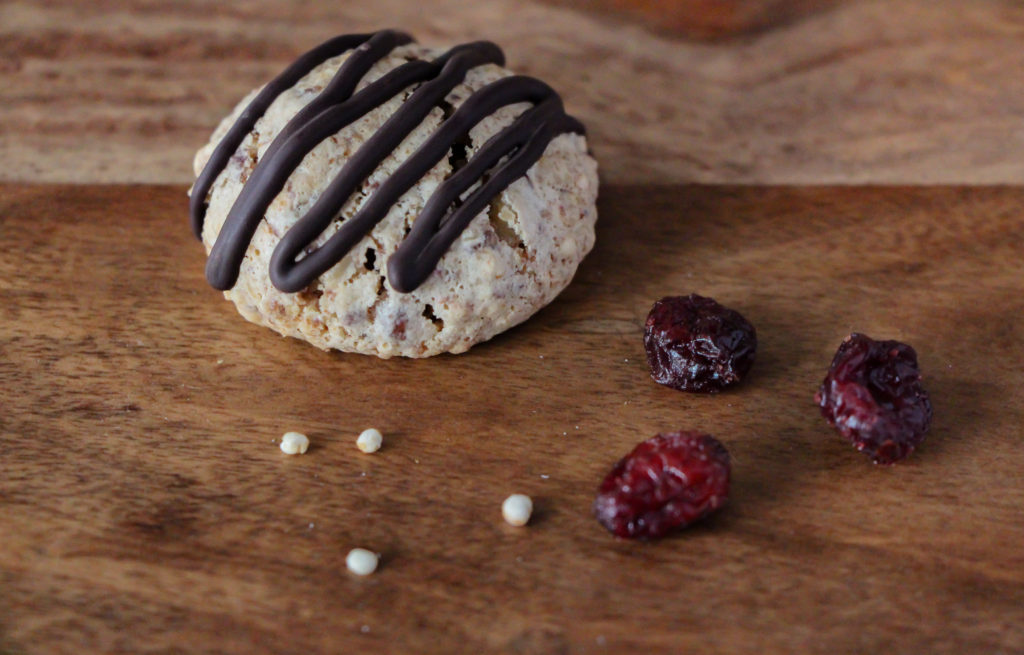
(511, 260)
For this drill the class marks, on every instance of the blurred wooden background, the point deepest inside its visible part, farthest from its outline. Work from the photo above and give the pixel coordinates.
(908, 91)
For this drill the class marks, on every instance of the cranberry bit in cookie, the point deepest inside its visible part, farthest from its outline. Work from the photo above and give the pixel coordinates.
(666, 483)
(872, 394)
(695, 344)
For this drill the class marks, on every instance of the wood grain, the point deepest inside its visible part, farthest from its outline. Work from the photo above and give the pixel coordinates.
(144, 507)
(878, 91)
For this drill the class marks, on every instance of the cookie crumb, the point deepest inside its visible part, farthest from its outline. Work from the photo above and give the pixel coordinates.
(517, 509)
(294, 443)
(370, 440)
(361, 561)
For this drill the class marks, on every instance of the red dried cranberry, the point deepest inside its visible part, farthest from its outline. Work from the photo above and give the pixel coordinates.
(695, 344)
(873, 395)
(666, 483)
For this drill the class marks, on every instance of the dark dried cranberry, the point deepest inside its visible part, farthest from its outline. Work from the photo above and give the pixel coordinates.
(873, 395)
(666, 483)
(695, 344)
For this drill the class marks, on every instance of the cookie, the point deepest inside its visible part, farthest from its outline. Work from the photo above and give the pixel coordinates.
(386, 198)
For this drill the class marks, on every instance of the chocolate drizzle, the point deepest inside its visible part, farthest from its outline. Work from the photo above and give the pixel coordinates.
(445, 214)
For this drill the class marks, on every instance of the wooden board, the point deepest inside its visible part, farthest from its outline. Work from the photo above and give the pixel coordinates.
(881, 92)
(145, 508)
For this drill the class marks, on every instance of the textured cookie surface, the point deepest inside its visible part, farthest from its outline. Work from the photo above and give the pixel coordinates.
(511, 260)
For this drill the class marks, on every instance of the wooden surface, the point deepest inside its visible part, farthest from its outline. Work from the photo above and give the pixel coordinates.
(883, 92)
(145, 508)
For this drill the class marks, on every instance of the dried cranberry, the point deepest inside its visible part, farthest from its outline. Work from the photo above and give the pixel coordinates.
(873, 395)
(667, 482)
(695, 344)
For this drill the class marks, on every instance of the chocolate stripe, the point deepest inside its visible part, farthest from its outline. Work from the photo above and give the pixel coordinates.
(290, 275)
(256, 108)
(272, 172)
(416, 257)
(520, 144)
